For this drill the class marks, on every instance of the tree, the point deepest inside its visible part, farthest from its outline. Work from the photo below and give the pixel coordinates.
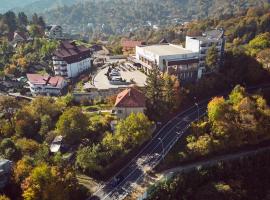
(73, 125)
(22, 19)
(4, 197)
(23, 168)
(10, 20)
(34, 31)
(153, 90)
(8, 106)
(27, 146)
(46, 183)
(216, 108)
(211, 59)
(8, 150)
(89, 159)
(133, 131)
(171, 92)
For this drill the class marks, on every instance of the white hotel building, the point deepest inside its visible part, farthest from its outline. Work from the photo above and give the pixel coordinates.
(188, 63)
(70, 60)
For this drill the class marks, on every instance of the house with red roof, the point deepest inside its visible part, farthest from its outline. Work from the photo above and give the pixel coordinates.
(46, 85)
(70, 60)
(131, 100)
(129, 46)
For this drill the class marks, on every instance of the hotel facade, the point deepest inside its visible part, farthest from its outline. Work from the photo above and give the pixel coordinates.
(70, 60)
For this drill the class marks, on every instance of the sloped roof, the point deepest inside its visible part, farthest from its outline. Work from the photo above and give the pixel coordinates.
(38, 79)
(130, 98)
(70, 52)
(131, 43)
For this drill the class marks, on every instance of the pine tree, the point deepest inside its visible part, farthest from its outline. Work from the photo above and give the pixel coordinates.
(153, 90)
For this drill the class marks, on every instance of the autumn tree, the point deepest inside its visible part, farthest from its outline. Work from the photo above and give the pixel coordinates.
(73, 124)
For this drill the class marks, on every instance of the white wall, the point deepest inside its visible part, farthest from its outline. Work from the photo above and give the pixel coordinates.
(74, 69)
(125, 112)
(192, 44)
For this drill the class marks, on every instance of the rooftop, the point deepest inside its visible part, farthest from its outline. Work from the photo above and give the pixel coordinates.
(166, 49)
(130, 98)
(71, 52)
(38, 79)
(131, 43)
(215, 34)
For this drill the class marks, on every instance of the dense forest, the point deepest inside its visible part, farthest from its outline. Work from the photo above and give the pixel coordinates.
(117, 16)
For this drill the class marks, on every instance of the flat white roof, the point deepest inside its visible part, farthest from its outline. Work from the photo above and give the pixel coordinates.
(166, 49)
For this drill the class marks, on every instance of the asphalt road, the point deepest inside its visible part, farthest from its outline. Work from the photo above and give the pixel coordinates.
(151, 154)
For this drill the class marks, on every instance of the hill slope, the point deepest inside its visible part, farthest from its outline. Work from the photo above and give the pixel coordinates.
(117, 16)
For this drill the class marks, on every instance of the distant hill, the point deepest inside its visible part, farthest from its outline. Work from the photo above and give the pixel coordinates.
(6, 5)
(39, 6)
(117, 16)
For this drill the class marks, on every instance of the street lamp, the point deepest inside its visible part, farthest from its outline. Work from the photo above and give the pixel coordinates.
(162, 147)
(198, 112)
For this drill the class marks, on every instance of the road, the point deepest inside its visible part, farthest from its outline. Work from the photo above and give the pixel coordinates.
(151, 154)
(156, 149)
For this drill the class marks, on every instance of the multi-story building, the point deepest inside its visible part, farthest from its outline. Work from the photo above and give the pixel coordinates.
(46, 85)
(201, 44)
(188, 63)
(170, 58)
(70, 60)
(54, 32)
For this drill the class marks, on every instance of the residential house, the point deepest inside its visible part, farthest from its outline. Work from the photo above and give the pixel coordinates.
(131, 100)
(70, 60)
(46, 85)
(17, 37)
(5, 172)
(129, 46)
(54, 32)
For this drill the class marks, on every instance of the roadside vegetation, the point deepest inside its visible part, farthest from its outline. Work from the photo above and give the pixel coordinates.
(244, 178)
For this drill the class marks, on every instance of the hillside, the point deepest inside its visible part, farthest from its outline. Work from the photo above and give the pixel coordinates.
(118, 16)
(10, 4)
(45, 5)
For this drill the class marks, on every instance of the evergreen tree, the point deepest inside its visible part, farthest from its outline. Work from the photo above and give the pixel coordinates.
(22, 19)
(212, 58)
(153, 90)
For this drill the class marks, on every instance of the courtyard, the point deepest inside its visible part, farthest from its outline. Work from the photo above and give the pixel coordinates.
(129, 73)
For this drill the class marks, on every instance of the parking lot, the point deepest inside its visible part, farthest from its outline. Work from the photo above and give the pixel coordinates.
(128, 73)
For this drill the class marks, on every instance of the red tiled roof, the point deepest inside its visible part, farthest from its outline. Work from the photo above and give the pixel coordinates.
(38, 79)
(131, 43)
(130, 97)
(70, 52)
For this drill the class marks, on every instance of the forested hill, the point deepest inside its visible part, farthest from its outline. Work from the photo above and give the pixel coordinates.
(116, 16)
(6, 5)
